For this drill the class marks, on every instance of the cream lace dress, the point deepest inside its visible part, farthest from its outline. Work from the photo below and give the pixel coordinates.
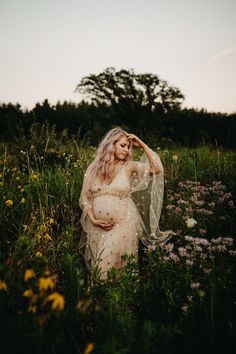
(133, 204)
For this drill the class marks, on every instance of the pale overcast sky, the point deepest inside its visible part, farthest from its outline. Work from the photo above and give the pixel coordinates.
(47, 46)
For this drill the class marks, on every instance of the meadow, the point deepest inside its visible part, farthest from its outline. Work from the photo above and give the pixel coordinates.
(179, 298)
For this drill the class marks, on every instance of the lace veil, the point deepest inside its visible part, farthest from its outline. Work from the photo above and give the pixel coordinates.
(147, 192)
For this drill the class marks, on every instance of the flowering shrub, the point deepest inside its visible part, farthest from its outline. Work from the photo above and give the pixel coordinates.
(206, 209)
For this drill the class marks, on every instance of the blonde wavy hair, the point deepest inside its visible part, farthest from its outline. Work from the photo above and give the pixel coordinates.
(102, 167)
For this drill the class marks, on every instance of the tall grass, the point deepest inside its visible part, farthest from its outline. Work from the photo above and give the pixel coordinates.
(179, 297)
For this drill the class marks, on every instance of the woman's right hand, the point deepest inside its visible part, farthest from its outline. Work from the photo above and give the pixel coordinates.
(105, 225)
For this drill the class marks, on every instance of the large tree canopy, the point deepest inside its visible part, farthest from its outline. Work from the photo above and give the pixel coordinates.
(125, 88)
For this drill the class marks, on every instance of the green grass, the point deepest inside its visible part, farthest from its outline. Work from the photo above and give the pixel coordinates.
(178, 298)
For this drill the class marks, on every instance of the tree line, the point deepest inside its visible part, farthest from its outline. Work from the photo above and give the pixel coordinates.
(142, 104)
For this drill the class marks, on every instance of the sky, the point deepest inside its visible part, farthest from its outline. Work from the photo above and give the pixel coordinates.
(48, 46)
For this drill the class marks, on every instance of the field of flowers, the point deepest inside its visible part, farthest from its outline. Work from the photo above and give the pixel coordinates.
(180, 298)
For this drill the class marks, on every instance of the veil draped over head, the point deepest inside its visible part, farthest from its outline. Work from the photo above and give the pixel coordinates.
(147, 192)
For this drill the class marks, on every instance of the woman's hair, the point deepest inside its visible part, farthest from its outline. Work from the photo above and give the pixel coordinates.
(103, 164)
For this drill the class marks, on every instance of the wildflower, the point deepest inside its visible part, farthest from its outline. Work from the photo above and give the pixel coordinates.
(151, 248)
(22, 190)
(51, 221)
(189, 262)
(38, 254)
(25, 227)
(173, 257)
(47, 237)
(167, 247)
(177, 210)
(199, 202)
(58, 301)
(175, 158)
(29, 274)
(34, 176)
(43, 227)
(191, 222)
(195, 285)
(23, 200)
(17, 178)
(182, 251)
(9, 202)
(221, 248)
(46, 283)
(89, 348)
(32, 308)
(28, 293)
(3, 285)
(228, 241)
(184, 308)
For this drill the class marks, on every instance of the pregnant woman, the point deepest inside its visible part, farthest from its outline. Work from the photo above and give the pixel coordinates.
(121, 202)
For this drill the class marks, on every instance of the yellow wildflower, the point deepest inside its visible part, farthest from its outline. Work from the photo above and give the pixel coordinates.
(34, 176)
(89, 348)
(19, 187)
(22, 190)
(38, 236)
(28, 293)
(3, 285)
(38, 254)
(23, 200)
(29, 274)
(32, 308)
(9, 202)
(17, 178)
(51, 221)
(47, 237)
(45, 283)
(43, 227)
(58, 301)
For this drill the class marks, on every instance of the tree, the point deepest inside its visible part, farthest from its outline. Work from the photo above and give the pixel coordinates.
(131, 97)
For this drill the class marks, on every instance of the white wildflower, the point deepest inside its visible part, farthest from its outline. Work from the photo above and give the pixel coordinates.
(191, 222)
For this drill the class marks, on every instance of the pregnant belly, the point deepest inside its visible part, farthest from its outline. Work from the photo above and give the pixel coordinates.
(109, 208)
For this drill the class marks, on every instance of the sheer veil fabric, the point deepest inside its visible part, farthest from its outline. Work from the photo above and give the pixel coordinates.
(133, 204)
(147, 191)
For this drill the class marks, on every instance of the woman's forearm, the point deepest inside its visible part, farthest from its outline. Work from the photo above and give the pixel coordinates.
(91, 215)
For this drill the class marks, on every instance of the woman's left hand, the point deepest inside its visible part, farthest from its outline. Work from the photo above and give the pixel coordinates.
(135, 140)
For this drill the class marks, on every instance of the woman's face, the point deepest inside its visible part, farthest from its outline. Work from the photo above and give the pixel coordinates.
(122, 148)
